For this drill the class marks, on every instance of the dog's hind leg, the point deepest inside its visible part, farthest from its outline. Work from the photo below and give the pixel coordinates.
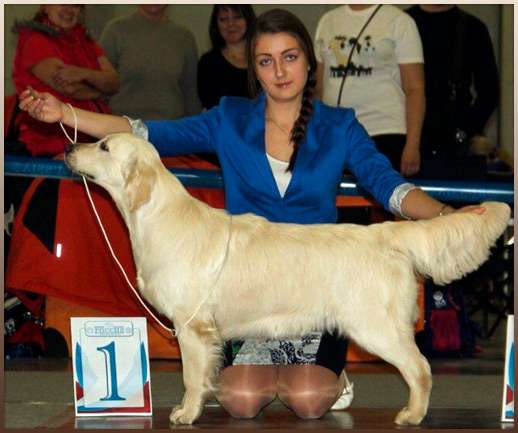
(398, 348)
(200, 348)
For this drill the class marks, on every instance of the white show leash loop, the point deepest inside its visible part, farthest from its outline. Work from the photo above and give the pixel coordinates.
(173, 331)
(74, 141)
(135, 292)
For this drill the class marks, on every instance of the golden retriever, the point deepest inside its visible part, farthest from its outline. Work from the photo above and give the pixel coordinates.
(254, 278)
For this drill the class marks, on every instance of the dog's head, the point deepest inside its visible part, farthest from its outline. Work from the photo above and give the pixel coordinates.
(124, 164)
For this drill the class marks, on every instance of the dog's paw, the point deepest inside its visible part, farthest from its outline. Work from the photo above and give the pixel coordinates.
(405, 417)
(183, 415)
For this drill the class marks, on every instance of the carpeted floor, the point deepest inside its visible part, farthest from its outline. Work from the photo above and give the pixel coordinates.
(39, 393)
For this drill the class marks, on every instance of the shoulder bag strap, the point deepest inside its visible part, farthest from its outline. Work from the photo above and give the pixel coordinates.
(352, 51)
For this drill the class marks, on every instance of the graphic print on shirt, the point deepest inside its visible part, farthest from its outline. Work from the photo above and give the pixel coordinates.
(338, 50)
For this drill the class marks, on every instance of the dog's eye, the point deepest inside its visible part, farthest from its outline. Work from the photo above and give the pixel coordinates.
(104, 147)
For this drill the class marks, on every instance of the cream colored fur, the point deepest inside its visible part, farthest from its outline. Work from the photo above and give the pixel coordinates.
(279, 280)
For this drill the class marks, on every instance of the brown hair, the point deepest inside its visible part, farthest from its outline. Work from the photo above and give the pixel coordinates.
(40, 15)
(282, 21)
(246, 11)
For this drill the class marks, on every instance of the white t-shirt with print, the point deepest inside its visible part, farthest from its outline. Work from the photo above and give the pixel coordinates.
(373, 85)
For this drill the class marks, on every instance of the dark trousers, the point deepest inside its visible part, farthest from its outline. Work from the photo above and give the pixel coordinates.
(391, 145)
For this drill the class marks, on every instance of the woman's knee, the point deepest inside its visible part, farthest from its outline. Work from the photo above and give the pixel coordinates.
(309, 390)
(245, 403)
(245, 390)
(308, 404)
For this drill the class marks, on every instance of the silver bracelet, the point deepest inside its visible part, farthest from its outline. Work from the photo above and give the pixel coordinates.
(442, 209)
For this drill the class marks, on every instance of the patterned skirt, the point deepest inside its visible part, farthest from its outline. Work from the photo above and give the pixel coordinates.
(325, 349)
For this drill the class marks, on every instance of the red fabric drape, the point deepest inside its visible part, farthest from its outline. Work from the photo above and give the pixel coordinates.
(85, 273)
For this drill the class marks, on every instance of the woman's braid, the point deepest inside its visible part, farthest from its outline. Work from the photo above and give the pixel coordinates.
(299, 128)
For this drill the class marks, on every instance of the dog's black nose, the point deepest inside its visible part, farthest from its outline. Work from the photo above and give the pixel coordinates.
(69, 148)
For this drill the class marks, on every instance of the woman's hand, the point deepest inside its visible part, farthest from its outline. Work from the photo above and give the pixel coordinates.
(419, 205)
(42, 106)
(479, 210)
(69, 74)
(410, 160)
(47, 108)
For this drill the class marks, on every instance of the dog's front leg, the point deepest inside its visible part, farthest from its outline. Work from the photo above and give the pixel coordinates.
(199, 346)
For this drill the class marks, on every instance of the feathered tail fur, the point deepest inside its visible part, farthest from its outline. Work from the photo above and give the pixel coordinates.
(448, 247)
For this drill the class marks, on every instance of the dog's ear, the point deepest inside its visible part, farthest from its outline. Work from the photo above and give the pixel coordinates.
(140, 179)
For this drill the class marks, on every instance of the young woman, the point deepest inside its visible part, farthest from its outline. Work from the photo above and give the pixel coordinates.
(55, 54)
(222, 71)
(282, 155)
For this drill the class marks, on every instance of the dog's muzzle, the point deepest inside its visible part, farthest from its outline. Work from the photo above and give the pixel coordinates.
(69, 156)
(70, 148)
(70, 161)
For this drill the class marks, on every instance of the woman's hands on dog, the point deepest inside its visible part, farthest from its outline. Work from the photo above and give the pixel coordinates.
(475, 208)
(42, 106)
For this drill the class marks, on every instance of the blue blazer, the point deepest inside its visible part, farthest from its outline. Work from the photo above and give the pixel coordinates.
(234, 130)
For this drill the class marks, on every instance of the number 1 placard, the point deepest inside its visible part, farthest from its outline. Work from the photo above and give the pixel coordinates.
(111, 366)
(508, 397)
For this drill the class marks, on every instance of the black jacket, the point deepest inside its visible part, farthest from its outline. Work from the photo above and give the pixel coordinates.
(465, 103)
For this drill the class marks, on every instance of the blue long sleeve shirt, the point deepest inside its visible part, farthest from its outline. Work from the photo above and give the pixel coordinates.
(234, 130)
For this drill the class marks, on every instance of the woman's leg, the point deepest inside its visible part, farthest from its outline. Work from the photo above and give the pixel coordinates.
(309, 390)
(245, 389)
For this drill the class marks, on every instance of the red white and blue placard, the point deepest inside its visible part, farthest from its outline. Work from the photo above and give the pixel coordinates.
(508, 397)
(110, 359)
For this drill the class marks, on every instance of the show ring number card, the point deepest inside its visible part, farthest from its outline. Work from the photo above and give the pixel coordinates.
(111, 366)
(508, 397)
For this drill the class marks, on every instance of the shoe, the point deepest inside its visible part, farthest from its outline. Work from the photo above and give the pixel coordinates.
(345, 400)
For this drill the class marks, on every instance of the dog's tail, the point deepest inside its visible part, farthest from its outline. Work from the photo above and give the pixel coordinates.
(448, 247)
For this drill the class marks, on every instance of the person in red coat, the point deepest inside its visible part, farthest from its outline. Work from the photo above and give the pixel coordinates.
(55, 54)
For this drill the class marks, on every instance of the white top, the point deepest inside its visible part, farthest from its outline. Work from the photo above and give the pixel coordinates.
(373, 85)
(280, 174)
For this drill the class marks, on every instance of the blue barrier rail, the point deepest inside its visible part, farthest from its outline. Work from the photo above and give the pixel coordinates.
(462, 191)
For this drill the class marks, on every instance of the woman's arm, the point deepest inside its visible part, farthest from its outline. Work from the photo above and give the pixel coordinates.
(47, 108)
(46, 71)
(419, 205)
(412, 81)
(375, 173)
(105, 80)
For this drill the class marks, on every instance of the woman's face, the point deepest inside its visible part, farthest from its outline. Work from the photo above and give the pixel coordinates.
(281, 66)
(153, 11)
(231, 25)
(63, 16)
